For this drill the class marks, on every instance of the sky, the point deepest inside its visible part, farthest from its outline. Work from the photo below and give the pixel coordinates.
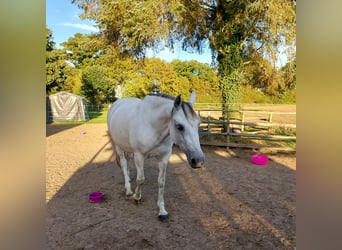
(62, 18)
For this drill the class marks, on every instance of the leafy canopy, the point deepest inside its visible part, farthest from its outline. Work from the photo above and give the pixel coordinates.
(239, 32)
(134, 26)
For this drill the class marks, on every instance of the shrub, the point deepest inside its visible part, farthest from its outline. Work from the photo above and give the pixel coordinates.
(252, 95)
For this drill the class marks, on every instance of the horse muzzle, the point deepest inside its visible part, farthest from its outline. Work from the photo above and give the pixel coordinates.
(196, 162)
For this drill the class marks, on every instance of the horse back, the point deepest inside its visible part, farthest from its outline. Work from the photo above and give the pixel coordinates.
(119, 121)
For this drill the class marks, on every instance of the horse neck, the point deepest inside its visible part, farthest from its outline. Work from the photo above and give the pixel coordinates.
(159, 112)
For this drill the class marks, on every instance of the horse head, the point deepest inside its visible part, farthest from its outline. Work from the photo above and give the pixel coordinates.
(183, 127)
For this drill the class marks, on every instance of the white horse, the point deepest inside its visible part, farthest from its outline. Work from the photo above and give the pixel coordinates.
(148, 128)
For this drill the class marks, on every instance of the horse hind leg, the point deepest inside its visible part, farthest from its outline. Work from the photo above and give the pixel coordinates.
(122, 162)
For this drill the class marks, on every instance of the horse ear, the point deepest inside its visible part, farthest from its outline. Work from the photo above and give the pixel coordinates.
(192, 98)
(178, 101)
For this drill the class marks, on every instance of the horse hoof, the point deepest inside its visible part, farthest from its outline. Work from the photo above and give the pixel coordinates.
(137, 202)
(136, 197)
(164, 218)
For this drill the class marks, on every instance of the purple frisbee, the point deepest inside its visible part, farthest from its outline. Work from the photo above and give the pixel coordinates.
(259, 159)
(95, 197)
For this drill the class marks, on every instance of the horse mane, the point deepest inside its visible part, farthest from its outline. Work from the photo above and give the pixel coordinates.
(187, 108)
(162, 95)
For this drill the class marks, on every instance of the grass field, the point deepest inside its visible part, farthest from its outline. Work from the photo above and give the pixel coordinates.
(98, 116)
(94, 117)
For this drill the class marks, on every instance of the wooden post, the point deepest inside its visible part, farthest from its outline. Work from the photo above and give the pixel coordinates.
(228, 130)
(270, 115)
(209, 119)
(243, 120)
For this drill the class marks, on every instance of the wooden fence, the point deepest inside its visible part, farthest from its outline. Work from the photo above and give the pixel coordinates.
(248, 128)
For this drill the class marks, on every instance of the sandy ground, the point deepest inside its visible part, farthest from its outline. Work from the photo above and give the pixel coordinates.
(229, 204)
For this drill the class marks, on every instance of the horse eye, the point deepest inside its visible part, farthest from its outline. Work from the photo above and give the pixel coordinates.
(179, 127)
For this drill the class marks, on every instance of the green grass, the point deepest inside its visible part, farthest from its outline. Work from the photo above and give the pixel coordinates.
(284, 131)
(95, 117)
(98, 116)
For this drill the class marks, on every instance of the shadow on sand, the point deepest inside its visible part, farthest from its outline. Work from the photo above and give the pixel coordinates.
(52, 129)
(229, 204)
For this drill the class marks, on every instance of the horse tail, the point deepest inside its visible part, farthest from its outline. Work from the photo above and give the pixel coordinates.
(116, 155)
(117, 158)
(115, 152)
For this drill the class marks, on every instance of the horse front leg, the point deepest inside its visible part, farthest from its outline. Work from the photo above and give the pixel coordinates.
(163, 214)
(139, 164)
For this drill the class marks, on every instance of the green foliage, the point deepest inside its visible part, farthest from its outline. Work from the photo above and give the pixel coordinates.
(83, 49)
(155, 73)
(284, 131)
(245, 35)
(254, 95)
(231, 89)
(134, 26)
(250, 94)
(55, 71)
(278, 85)
(288, 73)
(73, 82)
(231, 74)
(287, 96)
(55, 66)
(201, 78)
(262, 75)
(97, 86)
(50, 44)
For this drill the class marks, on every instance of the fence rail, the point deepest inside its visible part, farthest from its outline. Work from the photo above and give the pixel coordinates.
(247, 128)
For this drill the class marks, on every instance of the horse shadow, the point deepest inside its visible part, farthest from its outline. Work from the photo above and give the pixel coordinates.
(229, 204)
(52, 129)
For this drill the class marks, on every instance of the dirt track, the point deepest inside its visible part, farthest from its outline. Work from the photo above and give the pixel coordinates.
(230, 204)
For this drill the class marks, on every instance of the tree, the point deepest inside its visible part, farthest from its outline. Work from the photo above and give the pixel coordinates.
(73, 82)
(234, 28)
(262, 75)
(82, 50)
(289, 75)
(50, 44)
(136, 25)
(202, 79)
(155, 74)
(55, 66)
(97, 86)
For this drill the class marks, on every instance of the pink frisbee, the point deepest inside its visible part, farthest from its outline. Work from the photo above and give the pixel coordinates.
(95, 197)
(259, 159)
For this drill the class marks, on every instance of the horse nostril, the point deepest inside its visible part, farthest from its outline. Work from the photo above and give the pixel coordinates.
(196, 163)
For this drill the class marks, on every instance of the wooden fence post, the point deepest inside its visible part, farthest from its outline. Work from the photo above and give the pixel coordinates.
(270, 116)
(209, 119)
(228, 120)
(243, 121)
(228, 129)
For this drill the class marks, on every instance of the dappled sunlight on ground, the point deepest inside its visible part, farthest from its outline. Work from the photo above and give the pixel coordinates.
(228, 204)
